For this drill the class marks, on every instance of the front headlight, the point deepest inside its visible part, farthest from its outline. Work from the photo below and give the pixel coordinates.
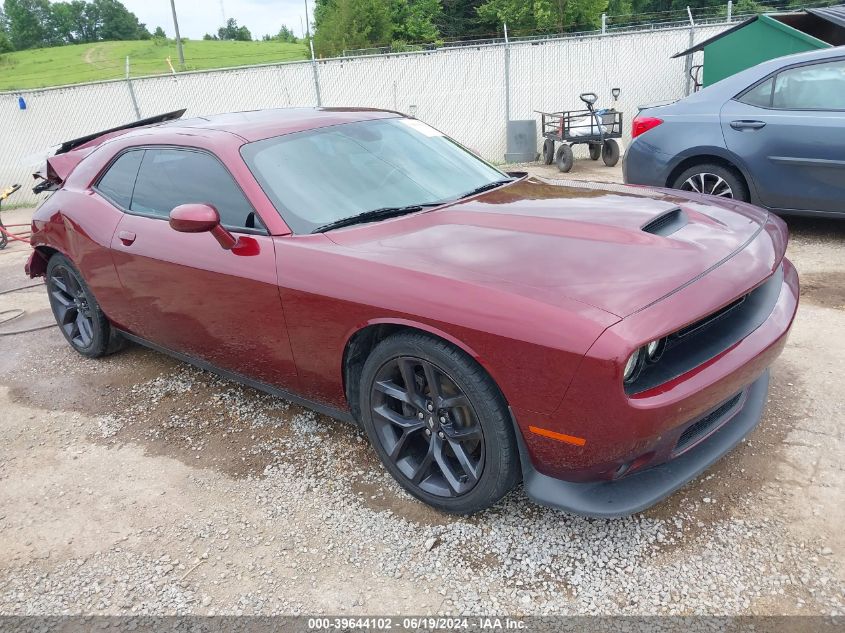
(632, 366)
(654, 349)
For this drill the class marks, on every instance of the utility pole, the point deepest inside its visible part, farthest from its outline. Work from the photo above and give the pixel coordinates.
(178, 38)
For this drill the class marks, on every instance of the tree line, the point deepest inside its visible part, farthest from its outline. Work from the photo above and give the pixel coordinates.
(347, 24)
(37, 23)
(353, 24)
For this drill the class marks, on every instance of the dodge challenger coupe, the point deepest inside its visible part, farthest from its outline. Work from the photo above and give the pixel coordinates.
(604, 344)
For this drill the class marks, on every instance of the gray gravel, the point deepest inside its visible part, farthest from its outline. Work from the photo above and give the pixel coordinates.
(312, 508)
(137, 485)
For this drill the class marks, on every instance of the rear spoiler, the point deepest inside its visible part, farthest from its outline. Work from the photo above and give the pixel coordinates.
(58, 167)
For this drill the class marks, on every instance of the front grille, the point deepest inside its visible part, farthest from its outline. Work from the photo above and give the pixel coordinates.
(707, 337)
(706, 425)
(709, 319)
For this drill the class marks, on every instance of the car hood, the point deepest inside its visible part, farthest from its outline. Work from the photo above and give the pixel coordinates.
(583, 242)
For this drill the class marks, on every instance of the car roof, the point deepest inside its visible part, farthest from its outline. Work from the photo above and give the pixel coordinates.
(729, 87)
(256, 125)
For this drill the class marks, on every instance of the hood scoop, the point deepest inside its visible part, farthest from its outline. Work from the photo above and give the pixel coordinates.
(667, 223)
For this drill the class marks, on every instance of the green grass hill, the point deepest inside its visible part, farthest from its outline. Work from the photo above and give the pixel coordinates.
(79, 63)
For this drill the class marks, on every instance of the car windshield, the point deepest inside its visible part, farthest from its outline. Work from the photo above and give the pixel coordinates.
(318, 177)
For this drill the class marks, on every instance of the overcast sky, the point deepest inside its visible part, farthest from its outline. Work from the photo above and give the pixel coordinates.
(197, 17)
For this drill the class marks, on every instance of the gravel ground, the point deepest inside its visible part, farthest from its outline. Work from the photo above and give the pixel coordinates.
(139, 485)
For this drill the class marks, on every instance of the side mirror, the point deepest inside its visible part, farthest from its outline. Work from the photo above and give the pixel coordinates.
(194, 218)
(201, 218)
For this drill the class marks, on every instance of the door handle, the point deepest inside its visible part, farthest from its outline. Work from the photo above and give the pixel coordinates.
(747, 125)
(127, 237)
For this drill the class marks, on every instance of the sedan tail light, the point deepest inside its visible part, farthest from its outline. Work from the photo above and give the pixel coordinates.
(642, 124)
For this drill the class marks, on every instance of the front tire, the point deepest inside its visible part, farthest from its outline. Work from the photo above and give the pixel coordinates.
(564, 158)
(610, 152)
(438, 423)
(77, 312)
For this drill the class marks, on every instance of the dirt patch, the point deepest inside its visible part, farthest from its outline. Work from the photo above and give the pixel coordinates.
(825, 289)
(377, 497)
(748, 467)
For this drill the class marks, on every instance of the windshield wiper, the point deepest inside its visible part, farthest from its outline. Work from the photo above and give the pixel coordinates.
(376, 214)
(487, 187)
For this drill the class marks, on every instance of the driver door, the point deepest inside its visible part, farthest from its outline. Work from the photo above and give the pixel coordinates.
(183, 291)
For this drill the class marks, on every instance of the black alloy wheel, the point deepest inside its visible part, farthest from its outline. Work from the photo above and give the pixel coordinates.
(77, 312)
(427, 427)
(70, 305)
(438, 423)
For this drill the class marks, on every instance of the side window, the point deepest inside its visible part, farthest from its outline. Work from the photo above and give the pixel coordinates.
(760, 95)
(117, 183)
(170, 177)
(811, 87)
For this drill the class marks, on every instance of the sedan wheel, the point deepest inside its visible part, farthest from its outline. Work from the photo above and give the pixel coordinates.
(713, 180)
(710, 184)
(438, 423)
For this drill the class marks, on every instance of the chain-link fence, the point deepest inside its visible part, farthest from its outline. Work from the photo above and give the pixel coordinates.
(460, 90)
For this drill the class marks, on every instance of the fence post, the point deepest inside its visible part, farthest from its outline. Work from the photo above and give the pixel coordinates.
(603, 23)
(316, 74)
(507, 76)
(730, 10)
(132, 92)
(688, 62)
(313, 58)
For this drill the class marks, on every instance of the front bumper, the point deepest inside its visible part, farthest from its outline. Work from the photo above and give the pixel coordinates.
(636, 492)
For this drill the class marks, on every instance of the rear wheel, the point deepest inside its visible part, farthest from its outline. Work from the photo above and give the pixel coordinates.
(712, 179)
(548, 151)
(438, 423)
(77, 312)
(595, 151)
(564, 158)
(610, 152)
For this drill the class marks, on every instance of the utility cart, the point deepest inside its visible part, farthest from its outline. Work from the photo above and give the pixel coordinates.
(596, 128)
(6, 233)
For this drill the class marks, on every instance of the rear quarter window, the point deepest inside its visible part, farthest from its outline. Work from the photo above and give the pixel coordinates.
(760, 95)
(118, 181)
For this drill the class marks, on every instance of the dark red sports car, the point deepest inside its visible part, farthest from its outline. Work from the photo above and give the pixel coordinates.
(602, 344)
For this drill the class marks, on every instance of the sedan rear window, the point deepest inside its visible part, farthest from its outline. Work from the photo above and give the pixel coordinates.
(811, 87)
(317, 177)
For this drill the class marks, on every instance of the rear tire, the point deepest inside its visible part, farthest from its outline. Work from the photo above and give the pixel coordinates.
(564, 158)
(77, 312)
(610, 152)
(548, 151)
(451, 446)
(595, 151)
(712, 179)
